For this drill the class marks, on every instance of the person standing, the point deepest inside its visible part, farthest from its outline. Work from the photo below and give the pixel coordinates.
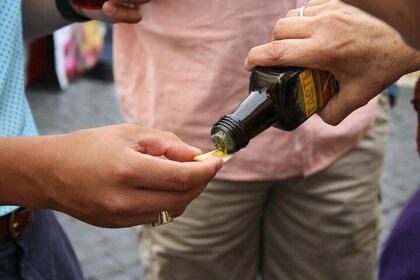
(291, 205)
(363, 68)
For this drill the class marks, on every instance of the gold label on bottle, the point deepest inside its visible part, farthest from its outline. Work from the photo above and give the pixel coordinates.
(308, 87)
(318, 87)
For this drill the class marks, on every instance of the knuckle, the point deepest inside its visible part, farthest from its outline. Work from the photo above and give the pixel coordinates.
(328, 53)
(173, 136)
(182, 179)
(127, 127)
(276, 51)
(167, 135)
(292, 13)
(334, 19)
(121, 174)
(116, 206)
(320, 46)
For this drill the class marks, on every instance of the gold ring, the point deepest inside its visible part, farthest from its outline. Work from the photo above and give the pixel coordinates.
(163, 218)
(301, 11)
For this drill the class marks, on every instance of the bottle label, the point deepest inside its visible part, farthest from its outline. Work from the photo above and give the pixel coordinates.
(317, 88)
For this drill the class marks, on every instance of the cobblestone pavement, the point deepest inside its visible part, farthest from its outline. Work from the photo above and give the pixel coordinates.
(107, 254)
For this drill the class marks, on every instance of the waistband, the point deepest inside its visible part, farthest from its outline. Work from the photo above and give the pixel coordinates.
(13, 224)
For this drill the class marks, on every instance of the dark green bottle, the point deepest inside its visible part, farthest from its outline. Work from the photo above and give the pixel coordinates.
(279, 97)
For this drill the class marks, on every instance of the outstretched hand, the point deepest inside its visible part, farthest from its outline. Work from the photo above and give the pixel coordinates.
(364, 54)
(114, 176)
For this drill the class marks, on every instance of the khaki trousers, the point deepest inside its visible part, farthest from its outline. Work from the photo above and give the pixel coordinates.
(320, 227)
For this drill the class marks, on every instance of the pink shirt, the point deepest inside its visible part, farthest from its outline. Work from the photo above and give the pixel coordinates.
(181, 69)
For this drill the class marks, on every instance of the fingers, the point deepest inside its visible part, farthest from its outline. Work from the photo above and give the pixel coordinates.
(171, 190)
(143, 168)
(128, 11)
(293, 28)
(333, 113)
(150, 201)
(106, 221)
(143, 207)
(341, 105)
(149, 172)
(311, 8)
(313, 3)
(288, 52)
(295, 39)
(161, 143)
(135, 207)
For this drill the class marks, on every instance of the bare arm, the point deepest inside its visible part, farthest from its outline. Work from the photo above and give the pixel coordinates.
(40, 17)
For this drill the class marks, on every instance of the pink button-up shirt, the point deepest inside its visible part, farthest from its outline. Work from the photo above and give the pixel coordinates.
(181, 68)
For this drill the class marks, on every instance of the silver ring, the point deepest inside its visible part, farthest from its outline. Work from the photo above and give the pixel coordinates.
(301, 11)
(163, 218)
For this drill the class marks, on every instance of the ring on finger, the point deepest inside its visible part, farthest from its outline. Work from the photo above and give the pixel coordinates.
(301, 11)
(163, 218)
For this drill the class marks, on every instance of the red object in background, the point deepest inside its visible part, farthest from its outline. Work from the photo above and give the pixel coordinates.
(89, 4)
(38, 60)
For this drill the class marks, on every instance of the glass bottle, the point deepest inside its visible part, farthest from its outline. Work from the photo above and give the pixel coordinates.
(280, 97)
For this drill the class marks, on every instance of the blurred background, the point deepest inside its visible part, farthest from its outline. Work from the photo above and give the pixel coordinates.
(70, 87)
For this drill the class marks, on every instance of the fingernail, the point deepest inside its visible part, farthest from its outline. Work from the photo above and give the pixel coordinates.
(246, 63)
(197, 150)
(109, 9)
(221, 164)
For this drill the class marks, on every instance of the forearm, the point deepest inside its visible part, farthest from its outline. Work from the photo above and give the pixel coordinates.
(402, 15)
(40, 17)
(412, 58)
(24, 164)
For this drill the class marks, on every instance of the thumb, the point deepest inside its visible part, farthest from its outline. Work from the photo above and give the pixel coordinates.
(287, 52)
(341, 105)
(166, 144)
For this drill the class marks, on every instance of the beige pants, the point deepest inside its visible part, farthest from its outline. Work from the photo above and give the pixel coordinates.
(321, 227)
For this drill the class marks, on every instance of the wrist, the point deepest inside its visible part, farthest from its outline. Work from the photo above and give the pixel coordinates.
(410, 59)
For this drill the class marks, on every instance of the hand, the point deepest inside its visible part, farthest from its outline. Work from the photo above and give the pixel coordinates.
(114, 11)
(115, 176)
(364, 54)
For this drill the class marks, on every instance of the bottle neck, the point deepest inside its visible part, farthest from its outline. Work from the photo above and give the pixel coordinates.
(229, 134)
(254, 115)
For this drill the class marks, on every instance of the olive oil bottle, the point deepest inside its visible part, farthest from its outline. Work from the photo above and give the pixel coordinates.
(279, 97)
